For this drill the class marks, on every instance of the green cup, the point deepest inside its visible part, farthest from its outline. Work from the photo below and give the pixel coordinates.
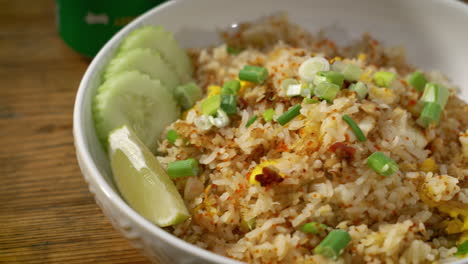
(86, 25)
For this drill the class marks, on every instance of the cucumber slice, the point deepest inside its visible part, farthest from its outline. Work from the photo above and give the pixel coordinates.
(146, 61)
(158, 39)
(142, 182)
(132, 98)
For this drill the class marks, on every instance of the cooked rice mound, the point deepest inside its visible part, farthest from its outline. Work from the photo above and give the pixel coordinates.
(417, 215)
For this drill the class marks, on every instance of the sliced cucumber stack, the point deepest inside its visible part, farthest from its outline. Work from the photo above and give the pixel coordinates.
(146, 61)
(158, 39)
(142, 182)
(133, 99)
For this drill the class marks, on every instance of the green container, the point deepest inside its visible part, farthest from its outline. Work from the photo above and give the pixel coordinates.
(86, 25)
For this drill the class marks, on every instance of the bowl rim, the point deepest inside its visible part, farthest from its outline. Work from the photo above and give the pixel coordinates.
(84, 155)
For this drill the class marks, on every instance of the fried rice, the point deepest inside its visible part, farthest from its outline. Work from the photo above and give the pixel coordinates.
(402, 218)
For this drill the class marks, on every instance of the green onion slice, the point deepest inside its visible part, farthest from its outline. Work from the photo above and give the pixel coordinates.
(172, 136)
(435, 93)
(462, 249)
(326, 91)
(356, 129)
(188, 94)
(253, 74)
(333, 245)
(233, 50)
(229, 103)
(382, 164)
(313, 228)
(183, 168)
(384, 79)
(329, 76)
(230, 87)
(268, 115)
(289, 115)
(211, 105)
(417, 80)
(251, 120)
(360, 88)
(287, 82)
(310, 101)
(310, 67)
(351, 72)
(294, 90)
(430, 114)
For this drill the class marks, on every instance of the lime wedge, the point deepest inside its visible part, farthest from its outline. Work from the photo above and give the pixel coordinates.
(142, 181)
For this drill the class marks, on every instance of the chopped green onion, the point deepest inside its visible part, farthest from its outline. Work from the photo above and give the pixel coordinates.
(435, 93)
(268, 115)
(306, 92)
(188, 94)
(211, 105)
(233, 50)
(183, 168)
(462, 249)
(251, 224)
(251, 120)
(329, 76)
(310, 101)
(326, 91)
(356, 129)
(286, 82)
(313, 228)
(338, 66)
(351, 72)
(430, 114)
(417, 80)
(202, 122)
(253, 74)
(294, 90)
(229, 103)
(360, 88)
(221, 120)
(382, 164)
(384, 79)
(171, 136)
(292, 112)
(310, 67)
(333, 245)
(231, 87)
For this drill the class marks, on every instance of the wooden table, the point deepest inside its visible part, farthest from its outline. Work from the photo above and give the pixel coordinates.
(47, 214)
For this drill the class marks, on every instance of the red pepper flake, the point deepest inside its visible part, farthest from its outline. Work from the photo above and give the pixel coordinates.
(412, 102)
(281, 147)
(342, 150)
(268, 177)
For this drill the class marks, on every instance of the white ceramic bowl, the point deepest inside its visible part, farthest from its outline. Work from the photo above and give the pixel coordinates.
(434, 33)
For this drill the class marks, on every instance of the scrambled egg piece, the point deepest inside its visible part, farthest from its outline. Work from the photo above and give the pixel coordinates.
(213, 90)
(362, 57)
(458, 211)
(429, 165)
(337, 58)
(244, 85)
(366, 76)
(259, 170)
(384, 95)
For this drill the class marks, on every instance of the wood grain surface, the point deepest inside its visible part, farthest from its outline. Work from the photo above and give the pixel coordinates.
(47, 214)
